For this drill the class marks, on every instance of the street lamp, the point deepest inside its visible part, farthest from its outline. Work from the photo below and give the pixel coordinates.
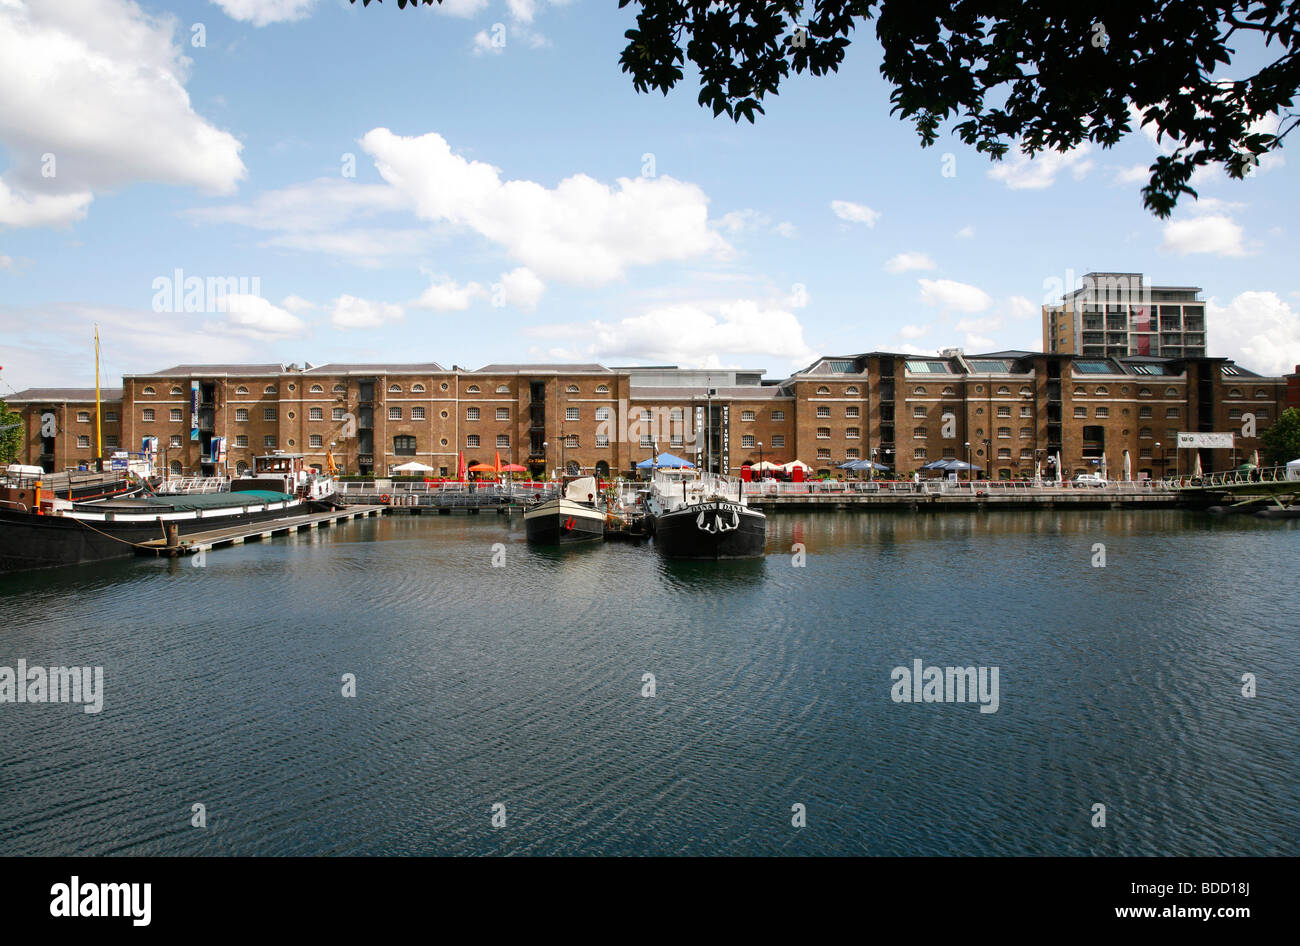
(1162, 459)
(760, 461)
(871, 471)
(546, 455)
(968, 464)
(988, 453)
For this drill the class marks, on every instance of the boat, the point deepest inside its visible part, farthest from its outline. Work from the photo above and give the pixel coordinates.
(41, 531)
(288, 473)
(703, 516)
(573, 516)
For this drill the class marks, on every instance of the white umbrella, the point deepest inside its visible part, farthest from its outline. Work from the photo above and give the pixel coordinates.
(1254, 458)
(1103, 467)
(413, 467)
(766, 465)
(1038, 473)
(1128, 467)
(790, 467)
(1060, 470)
(1196, 467)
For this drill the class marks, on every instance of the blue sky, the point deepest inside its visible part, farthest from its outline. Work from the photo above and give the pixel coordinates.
(523, 203)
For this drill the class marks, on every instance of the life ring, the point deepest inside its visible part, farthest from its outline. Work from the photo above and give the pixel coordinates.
(385, 498)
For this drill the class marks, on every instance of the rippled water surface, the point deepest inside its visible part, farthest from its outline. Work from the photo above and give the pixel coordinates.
(522, 685)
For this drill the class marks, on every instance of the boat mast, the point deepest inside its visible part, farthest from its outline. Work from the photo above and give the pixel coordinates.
(99, 439)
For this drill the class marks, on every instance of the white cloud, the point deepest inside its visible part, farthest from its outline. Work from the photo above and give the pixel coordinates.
(703, 334)
(953, 296)
(483, 43)
(1209, 234)
(966, 232)
(908, 261)
(1018, 307)
(253, 315)
(522, 288)
(6, 262)
(99, 86)
(462, 9)
(351, 312)
(1258, 330)
(297, 304)
(1133, 174)
(449, 296)
(1022, 173)
(581, 231)
(741, 221)
(913, 331)
(264, 12)
(522, 10)
(41, 210)
(855, 213)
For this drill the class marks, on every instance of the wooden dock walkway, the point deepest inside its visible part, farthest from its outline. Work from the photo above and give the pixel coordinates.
(256, 531)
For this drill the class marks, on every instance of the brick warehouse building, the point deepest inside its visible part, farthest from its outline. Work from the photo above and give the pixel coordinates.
(1014, 408)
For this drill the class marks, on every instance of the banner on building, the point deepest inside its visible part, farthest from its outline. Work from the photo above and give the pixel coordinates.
(194, 410)
(699, 437)
(725, 469)
(1192, 441)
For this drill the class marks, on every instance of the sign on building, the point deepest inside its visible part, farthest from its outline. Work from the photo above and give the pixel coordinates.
(1206, 441)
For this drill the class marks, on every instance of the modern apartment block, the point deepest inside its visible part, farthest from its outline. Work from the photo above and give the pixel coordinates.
(1007, 412)
(1117, 314)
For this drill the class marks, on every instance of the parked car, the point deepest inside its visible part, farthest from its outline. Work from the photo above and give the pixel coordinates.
(1088, 479)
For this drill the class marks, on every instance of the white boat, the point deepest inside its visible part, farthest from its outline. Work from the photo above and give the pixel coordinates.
(574, 516)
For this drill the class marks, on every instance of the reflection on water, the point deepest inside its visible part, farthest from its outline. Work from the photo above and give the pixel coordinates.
(491, 670)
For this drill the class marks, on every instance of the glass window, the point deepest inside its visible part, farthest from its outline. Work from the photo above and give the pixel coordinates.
(147, 415)
(175, 415)
(394, 413)
(503, 413)
(316, 413)
(83, 440)
(778, 415)
(472, 440)
(315, 440)
(503, 440)
(338, 413)
(471, 413)
(268, 413)
(417, 413)
(823, 412)
(269, 441)
(602, 413)
(570, 413)
(778, 441)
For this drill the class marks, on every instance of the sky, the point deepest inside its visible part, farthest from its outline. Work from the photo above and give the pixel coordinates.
(480, 183)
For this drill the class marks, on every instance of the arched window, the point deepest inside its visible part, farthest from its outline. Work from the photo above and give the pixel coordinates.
(417, 388)
(269, 389)
(1103, 390)
(473, 389)
(571, 389)
(241, 468)
(1026, 391)
(947, 390)
(1144, 392)
(1080, 392)
(317, 389)
(602, 389)
(241, 390)
(175, 467)
(176, 390)
(404, 446)
(340, 389)
(394, 389)
(823, 390)
(1171, 392)
(1261, 394)
(1003, 389)
(1235, 392)
(851, 389)
(148, 390)
(503, 389)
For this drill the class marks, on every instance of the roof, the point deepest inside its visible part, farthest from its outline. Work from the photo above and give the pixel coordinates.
(204, 370)
(735, 392)
(33, 395)
(544, 369)
(429, 367)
